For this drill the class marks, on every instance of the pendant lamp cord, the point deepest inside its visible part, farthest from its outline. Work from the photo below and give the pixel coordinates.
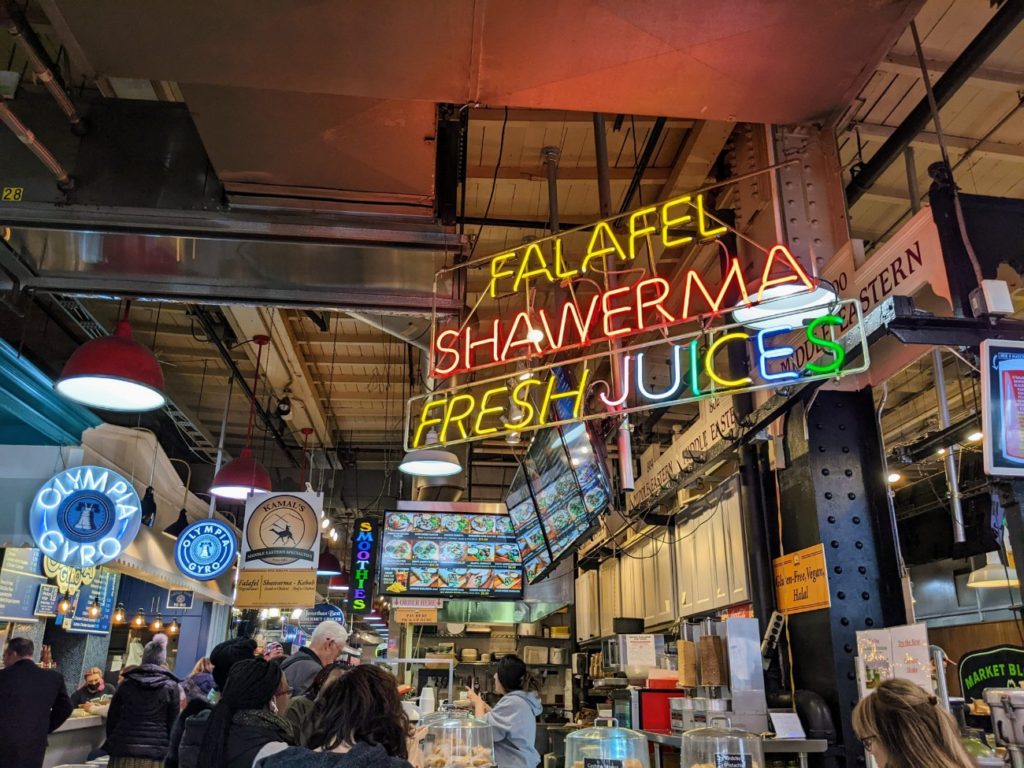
(252, 400)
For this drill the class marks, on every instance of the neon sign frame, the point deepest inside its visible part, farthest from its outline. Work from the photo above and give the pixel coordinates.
(771, 375)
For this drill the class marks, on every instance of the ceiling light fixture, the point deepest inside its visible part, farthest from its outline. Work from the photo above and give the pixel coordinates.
(339, 583)
(114, 372)
(158, 623)
(118, 616)
(243, 476)
(174, 627)
(174, 529)
(430, 462)
(787, 305)
(95, 609)
(993, 574)
(140, 619)
(64, 606)
(895, 477)
(296, 614)
(975, 437)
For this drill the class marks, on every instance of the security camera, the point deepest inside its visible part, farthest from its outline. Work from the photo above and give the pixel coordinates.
(284, 408)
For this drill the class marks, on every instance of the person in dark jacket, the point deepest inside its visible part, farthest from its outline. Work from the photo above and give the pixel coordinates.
(358, 722)
(326, 644)
(143, 711)
(300, 708)
(33, 703)
(190, 727)
(245, 719)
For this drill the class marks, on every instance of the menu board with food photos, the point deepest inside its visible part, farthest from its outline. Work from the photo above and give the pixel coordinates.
(556, 497)
(440, 553)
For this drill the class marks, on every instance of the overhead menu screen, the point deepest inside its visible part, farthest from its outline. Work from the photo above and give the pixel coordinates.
(450, 554)
(556, 497)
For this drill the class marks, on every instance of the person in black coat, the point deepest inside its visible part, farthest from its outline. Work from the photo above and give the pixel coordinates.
(246, 717)
(33, 703)
(143, 711)
(190, 727)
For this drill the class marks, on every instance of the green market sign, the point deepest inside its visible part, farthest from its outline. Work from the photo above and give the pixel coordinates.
(1001, 666)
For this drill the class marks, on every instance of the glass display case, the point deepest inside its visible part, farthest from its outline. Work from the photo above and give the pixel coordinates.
(720, 746)
(456, 739)
(606, 745)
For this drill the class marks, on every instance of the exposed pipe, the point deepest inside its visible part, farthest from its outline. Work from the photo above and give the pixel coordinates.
(41, 65)
(36, 147)
(1002, 23)
(550, 157)
(211, 333)
(959, 534)
(912, 189)
(604, 190)
(220, 441)
(418, 341)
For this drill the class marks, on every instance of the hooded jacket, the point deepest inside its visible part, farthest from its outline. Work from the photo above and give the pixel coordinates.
(142, 713)
(513, 722)
(360, 756)
(178, 745)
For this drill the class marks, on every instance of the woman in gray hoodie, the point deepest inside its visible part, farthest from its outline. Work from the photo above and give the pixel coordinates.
(513, 719)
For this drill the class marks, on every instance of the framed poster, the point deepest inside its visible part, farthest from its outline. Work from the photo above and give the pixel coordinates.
(180, 599)
(1002, 407)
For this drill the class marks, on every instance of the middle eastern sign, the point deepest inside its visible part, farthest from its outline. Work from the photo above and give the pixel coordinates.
(85, 516)
(280, 546)
(1001, 666)
(205, 549)
(1002, 407)
(546, 306)
(365, 534)
(801, 581)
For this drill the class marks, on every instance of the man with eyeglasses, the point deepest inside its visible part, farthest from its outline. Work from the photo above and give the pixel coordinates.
(326, 644)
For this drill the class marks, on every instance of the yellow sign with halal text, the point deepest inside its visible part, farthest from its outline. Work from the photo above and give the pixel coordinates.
(801, 581)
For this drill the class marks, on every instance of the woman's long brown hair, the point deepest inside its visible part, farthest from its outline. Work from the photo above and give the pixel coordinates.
(911, 726)
(362, 706)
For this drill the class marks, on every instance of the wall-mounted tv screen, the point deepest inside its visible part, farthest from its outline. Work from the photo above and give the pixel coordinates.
(436, 552)
(557, 494)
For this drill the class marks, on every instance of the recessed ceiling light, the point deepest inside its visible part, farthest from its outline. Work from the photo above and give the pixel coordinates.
(895, 477)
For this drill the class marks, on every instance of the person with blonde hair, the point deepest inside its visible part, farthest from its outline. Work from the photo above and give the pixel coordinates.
(902, 726)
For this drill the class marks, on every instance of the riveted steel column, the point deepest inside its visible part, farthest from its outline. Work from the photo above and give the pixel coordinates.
(833, 492)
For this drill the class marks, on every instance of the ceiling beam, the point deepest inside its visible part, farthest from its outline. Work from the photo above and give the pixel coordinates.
(566, 173)
(1013, 153)
(1004, 80)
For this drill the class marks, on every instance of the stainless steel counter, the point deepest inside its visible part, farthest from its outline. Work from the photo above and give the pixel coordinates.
(801, 747)
(74, 740)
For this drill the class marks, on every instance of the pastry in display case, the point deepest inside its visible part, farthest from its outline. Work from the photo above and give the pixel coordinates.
(456, 739)
(606, 741)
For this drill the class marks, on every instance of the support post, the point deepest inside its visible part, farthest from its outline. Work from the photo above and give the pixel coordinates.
(833, 492)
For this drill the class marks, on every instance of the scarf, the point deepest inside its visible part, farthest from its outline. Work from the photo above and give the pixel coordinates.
(262, 718)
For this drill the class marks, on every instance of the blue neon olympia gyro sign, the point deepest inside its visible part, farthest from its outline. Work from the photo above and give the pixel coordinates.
(85, 516)
(206, 549)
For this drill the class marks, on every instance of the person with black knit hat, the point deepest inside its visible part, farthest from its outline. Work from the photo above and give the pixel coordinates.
(246, 717)
(143, 711)
(189, 729)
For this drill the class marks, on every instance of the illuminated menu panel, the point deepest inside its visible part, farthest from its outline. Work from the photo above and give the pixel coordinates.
(450, 554)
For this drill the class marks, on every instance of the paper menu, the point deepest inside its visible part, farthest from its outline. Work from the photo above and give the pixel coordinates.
(884, 654)
(641, 651)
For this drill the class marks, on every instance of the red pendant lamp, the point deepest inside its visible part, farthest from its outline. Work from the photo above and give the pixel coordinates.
(115, 373)
(243, 476)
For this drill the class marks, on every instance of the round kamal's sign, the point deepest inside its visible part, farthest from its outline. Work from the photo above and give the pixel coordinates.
(85, 516)
(205, 550)
(282, 530)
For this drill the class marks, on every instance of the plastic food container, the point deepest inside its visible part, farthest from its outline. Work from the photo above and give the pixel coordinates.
(606, 742)
(720, 746)
(456, 740)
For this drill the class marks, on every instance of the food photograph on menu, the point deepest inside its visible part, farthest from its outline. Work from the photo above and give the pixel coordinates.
(450, 554)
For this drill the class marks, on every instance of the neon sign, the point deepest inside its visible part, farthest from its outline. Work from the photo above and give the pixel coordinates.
(364, 560)
(85, 516)
(698, 368)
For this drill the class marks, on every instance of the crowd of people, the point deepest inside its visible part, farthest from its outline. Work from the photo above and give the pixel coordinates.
(238, 709)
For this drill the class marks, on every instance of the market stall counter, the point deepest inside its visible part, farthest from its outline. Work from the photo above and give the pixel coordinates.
(800, 747)
(75, 740)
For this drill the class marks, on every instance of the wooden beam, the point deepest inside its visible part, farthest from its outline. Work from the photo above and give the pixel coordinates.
(566, 173)
(1013, 153)
(1004, 80)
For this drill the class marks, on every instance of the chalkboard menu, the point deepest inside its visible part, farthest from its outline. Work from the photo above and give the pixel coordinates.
(431, 554)
(21, 575)
(104, 588)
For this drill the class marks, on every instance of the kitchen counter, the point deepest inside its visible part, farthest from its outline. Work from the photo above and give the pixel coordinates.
(801, 747)
(74, 740)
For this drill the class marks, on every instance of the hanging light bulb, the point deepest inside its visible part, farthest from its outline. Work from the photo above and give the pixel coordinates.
(244, 476)
(140, 619)
(430, 462)
(334, 535)
(114, 372)
(325, 523)
(64, 606)
(158, 623)
(94, 609)
(174, 627)
(119, 615)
